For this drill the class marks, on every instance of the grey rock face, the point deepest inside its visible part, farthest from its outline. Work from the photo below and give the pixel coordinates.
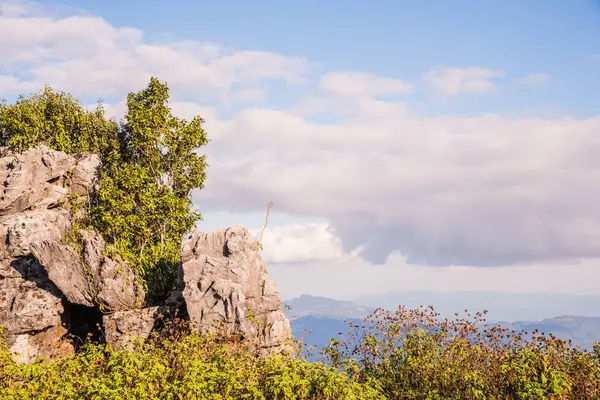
(35, 185)
(29, 304)
(85, 175)
(65, 270)
(50, 344)
(21, 229)
(227, 289)
(90, 279)
(32, 178)
(46, 284)
(123, 327)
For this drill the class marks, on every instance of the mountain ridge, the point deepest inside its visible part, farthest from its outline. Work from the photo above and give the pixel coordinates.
(318, 319)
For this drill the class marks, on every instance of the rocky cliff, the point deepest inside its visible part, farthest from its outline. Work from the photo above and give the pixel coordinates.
(54, 295)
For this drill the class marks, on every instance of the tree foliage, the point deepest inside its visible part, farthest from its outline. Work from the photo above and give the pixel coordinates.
(57, 120)
(150, 166)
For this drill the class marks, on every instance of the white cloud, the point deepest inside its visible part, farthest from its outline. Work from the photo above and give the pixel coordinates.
(11, 9)
(479, 190)
(312, 242)
(85, 54)
(452, 81)
(362, 84)
(442, 190)
(355, 93)
(534, 79)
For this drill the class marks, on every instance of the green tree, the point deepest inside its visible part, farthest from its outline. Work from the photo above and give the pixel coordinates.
(144, 201)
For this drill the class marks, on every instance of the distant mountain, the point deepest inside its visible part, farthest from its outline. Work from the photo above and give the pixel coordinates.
(316, 320)
(583, 331)
(325, 307)
(501, 306)
(316, 332)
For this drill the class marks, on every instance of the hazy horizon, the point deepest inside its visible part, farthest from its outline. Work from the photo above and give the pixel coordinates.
(501, 306)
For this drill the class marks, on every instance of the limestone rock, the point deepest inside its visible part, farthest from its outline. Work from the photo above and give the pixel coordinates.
(123, 327)
(35, 185)
(92, 278)
(51, 344)
(85, 176)
(117, 286)
(32, 178)
(226, 288)
(22, 229)
(65, 271)
(50, 289)
(28, 306)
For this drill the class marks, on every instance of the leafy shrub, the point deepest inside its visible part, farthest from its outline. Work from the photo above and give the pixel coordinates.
(185, 367)
(409, 354)
(149, 168)
(412, 354)
(59, 121)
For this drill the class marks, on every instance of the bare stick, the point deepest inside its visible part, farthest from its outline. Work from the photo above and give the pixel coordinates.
(266, 221)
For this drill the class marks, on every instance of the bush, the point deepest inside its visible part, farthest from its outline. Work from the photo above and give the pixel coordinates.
(185, 367)
(59, 121)
(149, 168)
(409, 354)
(412, 354)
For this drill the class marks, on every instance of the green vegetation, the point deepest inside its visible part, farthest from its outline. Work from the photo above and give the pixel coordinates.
(149, 168)
(410, 354)
(184, 366)
(413, 354)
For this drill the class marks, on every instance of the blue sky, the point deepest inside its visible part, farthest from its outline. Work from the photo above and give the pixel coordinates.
(434, 145)
(402, 39)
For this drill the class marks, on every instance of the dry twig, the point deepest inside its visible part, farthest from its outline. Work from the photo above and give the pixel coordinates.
(269, 206)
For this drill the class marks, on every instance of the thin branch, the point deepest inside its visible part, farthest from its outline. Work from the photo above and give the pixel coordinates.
(266, 221)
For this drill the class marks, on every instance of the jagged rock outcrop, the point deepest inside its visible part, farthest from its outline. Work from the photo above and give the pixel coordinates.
(226, 288)
(89, 278)
(122, 327)
(51, 290)
(29, 301)
(31, 306)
